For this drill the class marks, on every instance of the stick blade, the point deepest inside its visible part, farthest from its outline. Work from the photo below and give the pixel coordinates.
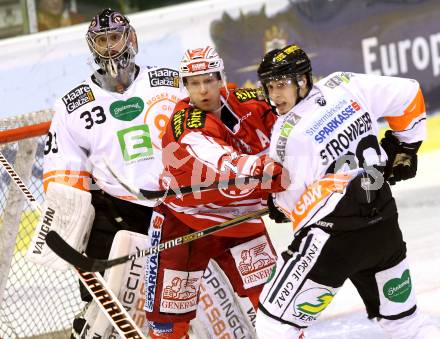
(68, 253)
(73, 257)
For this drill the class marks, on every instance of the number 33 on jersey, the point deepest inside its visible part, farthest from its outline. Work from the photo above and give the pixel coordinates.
(91, 123)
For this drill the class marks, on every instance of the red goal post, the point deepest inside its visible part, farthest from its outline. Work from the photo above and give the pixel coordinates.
(35, 302)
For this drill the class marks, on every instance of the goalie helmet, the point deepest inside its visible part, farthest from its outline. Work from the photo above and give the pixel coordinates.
(113, 42)
(288, 62)
(201, 61)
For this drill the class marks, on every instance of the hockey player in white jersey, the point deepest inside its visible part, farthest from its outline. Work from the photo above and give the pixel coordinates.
(120, 113)
(342, 209)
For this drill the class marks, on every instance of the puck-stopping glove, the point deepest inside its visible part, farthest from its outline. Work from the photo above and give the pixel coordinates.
(274, 213)
(402, 158)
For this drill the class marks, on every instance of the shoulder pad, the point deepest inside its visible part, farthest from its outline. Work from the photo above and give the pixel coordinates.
(77, 97)
(164, 77)
(195, 119)
(246, 94)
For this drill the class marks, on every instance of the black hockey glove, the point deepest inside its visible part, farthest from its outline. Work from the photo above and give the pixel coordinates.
(402, 158)
(274, 213)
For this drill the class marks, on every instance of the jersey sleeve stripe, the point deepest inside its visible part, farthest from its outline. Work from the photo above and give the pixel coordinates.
(414, 110)
(77, 179)
(67, 173)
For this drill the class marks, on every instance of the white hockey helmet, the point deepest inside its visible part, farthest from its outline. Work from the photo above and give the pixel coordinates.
(198, 61)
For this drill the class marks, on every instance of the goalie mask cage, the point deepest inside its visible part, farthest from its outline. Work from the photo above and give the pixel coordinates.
(35, 302)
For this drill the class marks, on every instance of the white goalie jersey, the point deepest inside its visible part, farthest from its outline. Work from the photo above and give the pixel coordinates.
(336, 123)
(92, 125)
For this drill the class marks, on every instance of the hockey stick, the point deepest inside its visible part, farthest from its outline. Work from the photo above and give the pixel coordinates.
(65, 251)
(143, 194)
(95, 284)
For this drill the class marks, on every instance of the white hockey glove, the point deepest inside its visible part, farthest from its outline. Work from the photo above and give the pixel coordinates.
(69, 212)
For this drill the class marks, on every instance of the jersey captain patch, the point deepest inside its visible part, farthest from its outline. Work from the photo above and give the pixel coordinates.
(177, 123)
(77, 97)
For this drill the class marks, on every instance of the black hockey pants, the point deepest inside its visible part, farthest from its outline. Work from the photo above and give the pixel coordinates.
(112, 215)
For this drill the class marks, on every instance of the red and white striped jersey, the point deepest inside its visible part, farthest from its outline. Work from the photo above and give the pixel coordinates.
(337, 121)
(198, 147)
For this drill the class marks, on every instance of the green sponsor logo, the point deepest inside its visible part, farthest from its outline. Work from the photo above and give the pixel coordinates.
(314, 308)
(398, 289)
(127, 110)
(135, 142)
(286, 129)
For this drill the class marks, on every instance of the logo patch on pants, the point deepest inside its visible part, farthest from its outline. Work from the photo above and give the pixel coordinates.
(310, 301)
(180, 291)
(254, 261)
(398, 289)
(396, 294)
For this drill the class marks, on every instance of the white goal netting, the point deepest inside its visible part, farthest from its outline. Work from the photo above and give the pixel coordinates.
(35, 302)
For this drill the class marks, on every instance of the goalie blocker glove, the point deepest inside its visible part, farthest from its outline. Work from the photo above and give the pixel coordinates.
(402, 158)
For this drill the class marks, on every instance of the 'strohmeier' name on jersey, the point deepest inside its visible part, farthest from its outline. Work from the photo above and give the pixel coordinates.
(78, 97)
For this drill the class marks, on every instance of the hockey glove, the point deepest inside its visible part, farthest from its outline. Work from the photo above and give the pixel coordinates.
(274, 213)
(402, 158)
(275, 176)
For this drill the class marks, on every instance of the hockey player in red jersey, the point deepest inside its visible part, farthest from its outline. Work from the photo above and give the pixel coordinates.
(346, 220)
(217, 133)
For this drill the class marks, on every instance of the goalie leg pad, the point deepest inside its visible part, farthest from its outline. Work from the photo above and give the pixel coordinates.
(69, 212)
(126, 282)
(220, 312)
(87, 322)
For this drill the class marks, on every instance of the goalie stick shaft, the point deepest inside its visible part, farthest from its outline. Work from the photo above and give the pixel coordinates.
(94, 282)
(65, 251)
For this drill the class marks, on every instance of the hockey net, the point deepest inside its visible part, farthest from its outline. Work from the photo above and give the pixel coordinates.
(35, 302)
